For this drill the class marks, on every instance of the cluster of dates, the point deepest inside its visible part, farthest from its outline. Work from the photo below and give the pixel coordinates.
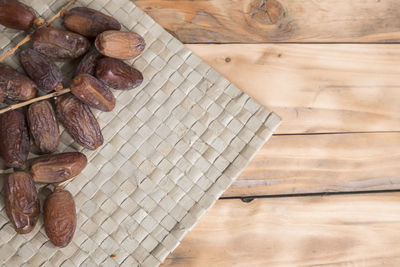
(101, 68)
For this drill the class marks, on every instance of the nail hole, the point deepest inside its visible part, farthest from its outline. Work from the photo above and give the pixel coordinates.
(247, 199)
(228, 59)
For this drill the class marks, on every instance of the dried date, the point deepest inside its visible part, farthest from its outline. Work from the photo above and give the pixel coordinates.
(121, 45)
(60, 217)
(21, 201)
(79, 121)
(16, 15)
(88, 63)
(59, 44)
(92, 92)
(58, 168)
(89, 22)
(1, 95)
(14, 139)
(43, 126)
(117, 74)
(42, 70)
(16, 86)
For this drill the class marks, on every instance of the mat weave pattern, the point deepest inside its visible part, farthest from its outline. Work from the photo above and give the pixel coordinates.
(172, 147)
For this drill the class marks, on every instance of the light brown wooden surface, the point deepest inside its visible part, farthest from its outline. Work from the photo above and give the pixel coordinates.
(249, 21)
(322, 163)
(341, 125)
(345, 230)
(315, 87)
(318, 89)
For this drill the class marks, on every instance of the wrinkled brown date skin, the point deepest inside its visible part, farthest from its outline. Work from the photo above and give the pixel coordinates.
(121, 45)
(59, 44)
(15, 85)
(42, 70)
(92, 92)
(79, 121)
(117, 74)
(43, 126)
(88, 63)
(14, 139)
(58, 168)
(1, 95)
(60, 217)
(89, 22)
(16, 15)
(21, 201)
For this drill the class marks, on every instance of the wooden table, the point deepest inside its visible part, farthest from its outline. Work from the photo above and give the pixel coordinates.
(324, 189)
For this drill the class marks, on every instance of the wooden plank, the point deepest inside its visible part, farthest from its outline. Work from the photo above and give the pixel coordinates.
(322, 163)
(345, 230)
(314, 87)
(252, 21)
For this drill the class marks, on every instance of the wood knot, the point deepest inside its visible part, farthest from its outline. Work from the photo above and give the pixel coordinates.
(266, 11)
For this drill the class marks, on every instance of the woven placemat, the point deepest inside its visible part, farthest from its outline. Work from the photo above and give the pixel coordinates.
(172, 147)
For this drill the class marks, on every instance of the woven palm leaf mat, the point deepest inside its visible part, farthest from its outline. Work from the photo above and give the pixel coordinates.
(172, 147)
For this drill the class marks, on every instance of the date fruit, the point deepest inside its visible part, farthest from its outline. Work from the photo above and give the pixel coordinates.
(89, 62)
(117, 74)
(79, 121)
(121, 45)
(59, 217)
(43, 126)
(16, 15)
(92, 92)
(59, 44)
(58, 168)
(14, 139)
(1, 95)
(42, 70)
(89, 22)
(21, 201)
(16, 86)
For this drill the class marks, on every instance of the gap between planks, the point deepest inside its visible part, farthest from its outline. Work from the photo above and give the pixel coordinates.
(250, 198)
(351, 91)
(306, 164)
(322, 133)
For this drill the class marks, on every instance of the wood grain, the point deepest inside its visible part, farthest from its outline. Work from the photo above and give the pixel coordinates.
(344, 230)
(314, 87)
(300, 164)
(254, 21)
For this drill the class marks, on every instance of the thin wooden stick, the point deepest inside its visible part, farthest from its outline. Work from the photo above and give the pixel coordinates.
(61, 12)
(33, 100)
(12, 50)
(28, 37)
